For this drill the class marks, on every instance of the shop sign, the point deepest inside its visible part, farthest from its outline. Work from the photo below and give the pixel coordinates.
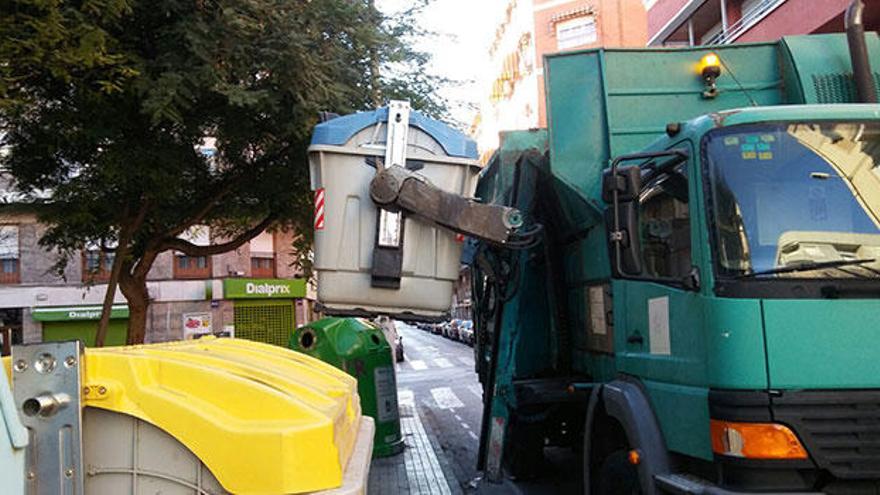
(195, 324)
(270, 288)
(77, 313)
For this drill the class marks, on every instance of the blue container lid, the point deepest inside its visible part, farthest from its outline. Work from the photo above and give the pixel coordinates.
(339, 130)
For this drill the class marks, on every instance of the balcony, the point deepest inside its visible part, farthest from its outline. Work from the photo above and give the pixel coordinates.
(749, 18)
(713, 22)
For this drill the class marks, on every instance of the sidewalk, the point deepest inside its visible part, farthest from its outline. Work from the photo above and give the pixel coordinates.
(422, 468)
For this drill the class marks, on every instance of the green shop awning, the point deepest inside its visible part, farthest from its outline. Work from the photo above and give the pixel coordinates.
(76, 313)
(264, 288)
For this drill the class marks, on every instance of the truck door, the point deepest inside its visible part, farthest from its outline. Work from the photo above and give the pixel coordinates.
(662, 342)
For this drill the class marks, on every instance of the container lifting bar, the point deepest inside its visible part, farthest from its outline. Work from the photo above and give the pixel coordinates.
(395, 154)
(388, 250)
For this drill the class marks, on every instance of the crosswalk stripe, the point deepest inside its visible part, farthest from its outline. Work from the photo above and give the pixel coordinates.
(476, 389)
(466, 361)
(418, 365)
(446, 398)
(443, 363)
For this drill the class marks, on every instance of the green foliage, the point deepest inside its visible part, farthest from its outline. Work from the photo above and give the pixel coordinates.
(104, 102)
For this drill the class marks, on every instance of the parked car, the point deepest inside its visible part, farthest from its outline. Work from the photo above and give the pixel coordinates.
(389, 329)
(452, 329)
(466, 332)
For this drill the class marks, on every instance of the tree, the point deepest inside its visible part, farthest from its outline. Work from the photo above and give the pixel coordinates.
(107, 104)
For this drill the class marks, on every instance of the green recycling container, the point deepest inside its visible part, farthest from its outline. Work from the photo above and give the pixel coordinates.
(359, 348)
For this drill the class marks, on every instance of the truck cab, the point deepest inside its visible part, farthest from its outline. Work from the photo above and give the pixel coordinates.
(753, 291)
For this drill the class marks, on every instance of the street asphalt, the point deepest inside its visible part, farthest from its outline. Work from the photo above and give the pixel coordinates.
(441, 410)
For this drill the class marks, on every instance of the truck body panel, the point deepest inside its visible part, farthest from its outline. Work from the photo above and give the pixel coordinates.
(700, 344)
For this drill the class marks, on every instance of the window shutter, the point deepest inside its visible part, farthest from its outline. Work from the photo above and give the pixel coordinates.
(9, 242)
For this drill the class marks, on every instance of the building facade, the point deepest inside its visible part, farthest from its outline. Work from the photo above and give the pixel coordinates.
(462, 303)
(528, 30)
(710, 22)
(252, 292)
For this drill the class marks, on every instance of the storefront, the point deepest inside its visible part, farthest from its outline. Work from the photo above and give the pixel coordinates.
(264, 309)
(81, 323)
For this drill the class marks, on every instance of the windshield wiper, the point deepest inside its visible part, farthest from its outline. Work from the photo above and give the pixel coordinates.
(805, 267)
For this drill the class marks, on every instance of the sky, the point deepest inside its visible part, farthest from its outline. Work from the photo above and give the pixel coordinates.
(460, 49)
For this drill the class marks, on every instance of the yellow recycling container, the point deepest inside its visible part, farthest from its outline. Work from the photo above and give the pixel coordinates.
(226, 415)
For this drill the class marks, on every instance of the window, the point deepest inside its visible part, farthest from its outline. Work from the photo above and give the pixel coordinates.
(263, 267)
(263, 255)
(789, 194)
(664, 226)
(97, 264)
(9, 255)
(190, 267)
(575, 32)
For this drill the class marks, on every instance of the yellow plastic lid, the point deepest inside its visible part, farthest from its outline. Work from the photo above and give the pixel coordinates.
(262, 418)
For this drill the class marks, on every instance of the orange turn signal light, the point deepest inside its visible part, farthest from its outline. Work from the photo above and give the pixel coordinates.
(634, 457)
(755, 440)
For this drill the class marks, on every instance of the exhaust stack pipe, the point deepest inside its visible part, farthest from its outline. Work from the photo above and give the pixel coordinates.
(858, 51)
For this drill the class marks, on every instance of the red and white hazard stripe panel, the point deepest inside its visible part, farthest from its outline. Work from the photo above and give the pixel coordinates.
(319, 209)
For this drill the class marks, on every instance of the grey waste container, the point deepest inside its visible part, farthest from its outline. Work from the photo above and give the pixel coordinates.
(343, 156)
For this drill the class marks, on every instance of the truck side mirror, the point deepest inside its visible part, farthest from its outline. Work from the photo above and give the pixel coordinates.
(620, 190)
(624, 244)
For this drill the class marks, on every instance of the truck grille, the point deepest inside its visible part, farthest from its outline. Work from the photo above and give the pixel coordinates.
(838, 88)
(840, 429)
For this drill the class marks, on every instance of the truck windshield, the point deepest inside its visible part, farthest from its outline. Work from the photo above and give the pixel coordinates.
(795, 199)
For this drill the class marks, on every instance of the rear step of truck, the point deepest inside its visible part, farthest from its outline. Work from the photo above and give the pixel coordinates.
(683, 484)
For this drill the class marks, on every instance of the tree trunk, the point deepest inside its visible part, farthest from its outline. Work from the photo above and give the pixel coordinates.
(135, 290)
(375, 89)
(118, 260)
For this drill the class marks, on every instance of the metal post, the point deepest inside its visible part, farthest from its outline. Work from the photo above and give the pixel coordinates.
(690, 32)
(723, 15)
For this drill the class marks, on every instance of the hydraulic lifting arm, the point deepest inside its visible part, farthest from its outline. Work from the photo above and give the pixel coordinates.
(397, 189)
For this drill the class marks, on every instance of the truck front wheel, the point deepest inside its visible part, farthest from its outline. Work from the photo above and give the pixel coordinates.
(617, 476)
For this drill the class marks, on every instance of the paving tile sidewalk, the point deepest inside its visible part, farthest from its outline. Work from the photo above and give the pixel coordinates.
(421, 469)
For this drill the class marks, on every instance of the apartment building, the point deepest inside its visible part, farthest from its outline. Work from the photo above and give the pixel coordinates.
(526, 31)
(252, 292)
(462, 301)
(710, 22)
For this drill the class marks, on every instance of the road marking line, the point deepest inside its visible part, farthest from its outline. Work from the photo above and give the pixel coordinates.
(406, 396)
(446, 398)
(457, 417)
(418, 365)
(465, 426)
(476, 389)
(473, 435)
(466, 361)
(443, 363)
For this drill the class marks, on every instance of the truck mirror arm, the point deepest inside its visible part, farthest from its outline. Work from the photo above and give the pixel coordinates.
(618, 236)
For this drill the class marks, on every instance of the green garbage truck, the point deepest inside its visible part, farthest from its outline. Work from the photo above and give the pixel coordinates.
(702, 312)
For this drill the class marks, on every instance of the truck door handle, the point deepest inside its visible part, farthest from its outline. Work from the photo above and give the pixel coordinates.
(635, 338)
